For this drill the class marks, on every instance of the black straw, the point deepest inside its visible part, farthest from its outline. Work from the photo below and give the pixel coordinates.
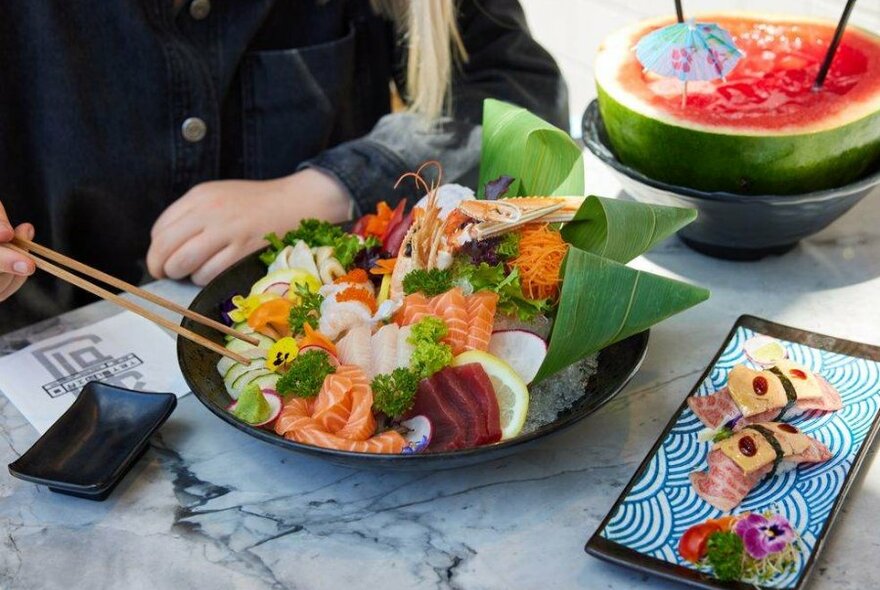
(832, 49)
(678, 11)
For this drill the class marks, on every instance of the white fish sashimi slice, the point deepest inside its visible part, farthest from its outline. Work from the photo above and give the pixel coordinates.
(301, 257)
(338, 317)
(281, 261)
(404, 348)
(354, 347)
(384, 350)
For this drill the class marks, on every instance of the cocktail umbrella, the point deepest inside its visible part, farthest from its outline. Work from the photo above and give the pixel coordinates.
(688, 51)
(832, 47)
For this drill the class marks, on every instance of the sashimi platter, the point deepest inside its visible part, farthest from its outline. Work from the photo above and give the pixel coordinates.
(453, 320)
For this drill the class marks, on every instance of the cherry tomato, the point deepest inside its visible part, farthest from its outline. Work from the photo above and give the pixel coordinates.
(692, 545)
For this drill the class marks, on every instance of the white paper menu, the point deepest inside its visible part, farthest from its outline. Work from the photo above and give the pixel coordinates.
(43, 379)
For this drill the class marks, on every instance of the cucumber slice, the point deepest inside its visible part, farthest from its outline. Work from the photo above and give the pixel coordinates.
(238, 370)
(247, 377)
(266, 381)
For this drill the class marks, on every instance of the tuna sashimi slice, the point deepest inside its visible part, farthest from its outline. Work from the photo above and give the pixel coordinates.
(448, 433)
(480, 386)
(456, 392)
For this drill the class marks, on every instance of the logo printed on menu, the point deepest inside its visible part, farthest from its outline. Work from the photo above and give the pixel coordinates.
(79, 360)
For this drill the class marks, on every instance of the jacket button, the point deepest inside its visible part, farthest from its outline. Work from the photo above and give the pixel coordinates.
(193, 129)
(199, 9)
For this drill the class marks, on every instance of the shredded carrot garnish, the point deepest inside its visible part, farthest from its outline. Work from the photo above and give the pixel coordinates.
(314, 338)
(384, 266)
(354, 293)
(541, 251)
(355, 275)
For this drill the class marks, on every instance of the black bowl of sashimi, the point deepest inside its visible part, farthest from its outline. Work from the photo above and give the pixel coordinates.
(615, 367)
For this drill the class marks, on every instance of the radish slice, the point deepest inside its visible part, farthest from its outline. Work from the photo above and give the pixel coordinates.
(764, 350)
(333, 360)
(275, 405)
(524, 351)
(419, 436)
(280, 289)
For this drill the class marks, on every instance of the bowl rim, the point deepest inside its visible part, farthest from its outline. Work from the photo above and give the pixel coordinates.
(639, 341)
(593, 130)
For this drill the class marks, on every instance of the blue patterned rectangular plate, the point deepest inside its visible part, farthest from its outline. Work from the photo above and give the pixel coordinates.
(658, 505)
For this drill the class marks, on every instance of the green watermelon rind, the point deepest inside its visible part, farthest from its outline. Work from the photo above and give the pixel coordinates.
(778, 163)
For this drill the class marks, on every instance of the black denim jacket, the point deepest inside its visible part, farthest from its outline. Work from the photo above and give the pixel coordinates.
(98, 102)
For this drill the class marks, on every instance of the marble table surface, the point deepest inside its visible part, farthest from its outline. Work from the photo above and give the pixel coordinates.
(209, 506)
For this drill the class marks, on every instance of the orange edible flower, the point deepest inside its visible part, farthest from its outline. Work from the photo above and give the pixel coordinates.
(377, 223)
(384, 266)
(355, 275)
(541, 252)
(272, 318)
(315, 338)
(358, 294)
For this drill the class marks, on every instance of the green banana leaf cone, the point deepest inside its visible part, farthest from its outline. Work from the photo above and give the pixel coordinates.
(599, 291)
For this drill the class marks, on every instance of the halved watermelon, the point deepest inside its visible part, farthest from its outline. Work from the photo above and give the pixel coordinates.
(763, 130)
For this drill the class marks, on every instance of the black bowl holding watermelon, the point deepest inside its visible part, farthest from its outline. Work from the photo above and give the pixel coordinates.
(766, 159)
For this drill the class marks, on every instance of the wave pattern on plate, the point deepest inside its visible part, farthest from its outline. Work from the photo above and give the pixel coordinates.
(662, 504)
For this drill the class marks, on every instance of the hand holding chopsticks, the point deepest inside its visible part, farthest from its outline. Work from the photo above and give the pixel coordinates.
(36, 252)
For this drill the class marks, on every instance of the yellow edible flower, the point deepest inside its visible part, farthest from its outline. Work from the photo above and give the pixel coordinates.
(244, 306)
(281, 354)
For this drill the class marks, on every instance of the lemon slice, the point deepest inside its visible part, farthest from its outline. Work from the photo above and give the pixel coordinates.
(510, 389)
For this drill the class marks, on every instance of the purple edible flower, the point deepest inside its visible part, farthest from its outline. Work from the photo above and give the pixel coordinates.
(225, 308)
(763, 536)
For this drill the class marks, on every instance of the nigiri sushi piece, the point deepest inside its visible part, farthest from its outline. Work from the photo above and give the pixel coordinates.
(781, 391)
(738, 463)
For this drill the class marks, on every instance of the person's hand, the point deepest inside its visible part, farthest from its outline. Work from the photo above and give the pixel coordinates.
(15, 268)
(219, 222)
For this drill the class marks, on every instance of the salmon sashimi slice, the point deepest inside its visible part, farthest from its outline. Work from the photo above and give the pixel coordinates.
(415, 307)
(469, 319)
(333, 404)
(296, 413)
(390, 442)
(361, 423)
(481, 318)
(452, 307)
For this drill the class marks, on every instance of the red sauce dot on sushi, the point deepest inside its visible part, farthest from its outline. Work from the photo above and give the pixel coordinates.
(760, 385)
(788, 428)
(747, 446)
(797, 374)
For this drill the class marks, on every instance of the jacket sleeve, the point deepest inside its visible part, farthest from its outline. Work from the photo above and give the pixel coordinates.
(504, 62)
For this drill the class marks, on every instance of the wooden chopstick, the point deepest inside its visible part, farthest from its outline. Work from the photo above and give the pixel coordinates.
(128, 287)
(68, 276)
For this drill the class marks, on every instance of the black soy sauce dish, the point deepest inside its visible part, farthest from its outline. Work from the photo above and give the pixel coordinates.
(91, 447)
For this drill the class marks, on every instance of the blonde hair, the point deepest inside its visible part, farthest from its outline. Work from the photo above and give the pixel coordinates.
(430, 31)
